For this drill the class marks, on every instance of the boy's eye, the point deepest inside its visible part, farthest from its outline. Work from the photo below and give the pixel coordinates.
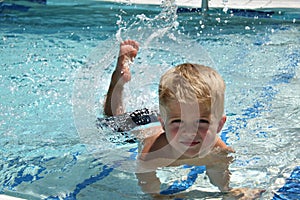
(203, 124)
(176, 121)
(203, 121)
(200, 124)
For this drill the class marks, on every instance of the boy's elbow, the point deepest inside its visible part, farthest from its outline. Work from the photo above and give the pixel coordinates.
(108, 112)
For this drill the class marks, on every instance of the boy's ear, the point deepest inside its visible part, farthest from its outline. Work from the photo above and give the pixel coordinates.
(221, 123)
(161, 122)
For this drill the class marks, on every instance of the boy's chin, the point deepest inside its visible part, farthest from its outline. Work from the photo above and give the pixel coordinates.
(199, 154)
(191, 154)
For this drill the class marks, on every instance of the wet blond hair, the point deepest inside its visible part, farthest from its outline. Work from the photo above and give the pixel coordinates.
(188, 83)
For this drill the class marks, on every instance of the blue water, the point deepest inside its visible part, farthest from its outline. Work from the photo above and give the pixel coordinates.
(50, 52)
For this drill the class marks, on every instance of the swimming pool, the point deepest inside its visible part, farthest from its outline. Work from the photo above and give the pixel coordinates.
(49, 51)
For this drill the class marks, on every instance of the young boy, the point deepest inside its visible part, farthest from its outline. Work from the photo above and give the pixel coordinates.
(191, 103)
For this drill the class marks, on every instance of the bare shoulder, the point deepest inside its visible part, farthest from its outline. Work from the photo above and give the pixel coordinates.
(148, 133)
(220, 144)
(220, 156)
(150, 138)
(155, 142)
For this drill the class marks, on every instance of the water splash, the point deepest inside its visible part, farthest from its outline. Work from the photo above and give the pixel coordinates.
(162, 46)
(145, 28)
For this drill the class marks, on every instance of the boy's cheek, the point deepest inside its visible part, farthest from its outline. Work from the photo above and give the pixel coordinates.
(203, 133)
(172, 133)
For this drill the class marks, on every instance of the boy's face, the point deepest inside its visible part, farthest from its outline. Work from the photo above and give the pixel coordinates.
(188, 129)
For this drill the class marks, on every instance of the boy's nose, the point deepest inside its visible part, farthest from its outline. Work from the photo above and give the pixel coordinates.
(190, 131)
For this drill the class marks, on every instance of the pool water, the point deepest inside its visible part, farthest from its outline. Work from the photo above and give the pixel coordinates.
(55, 69)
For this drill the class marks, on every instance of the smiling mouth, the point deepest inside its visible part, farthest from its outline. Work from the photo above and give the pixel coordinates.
(190, 143)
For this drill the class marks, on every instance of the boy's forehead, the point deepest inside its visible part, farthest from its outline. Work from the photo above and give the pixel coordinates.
(194, 108)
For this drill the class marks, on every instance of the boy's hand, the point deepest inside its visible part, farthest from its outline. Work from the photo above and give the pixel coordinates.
(244, 193)
(164, 197)
(127, 53)
(129, 48)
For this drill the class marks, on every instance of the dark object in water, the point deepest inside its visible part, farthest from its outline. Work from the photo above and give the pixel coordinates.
(128, 121)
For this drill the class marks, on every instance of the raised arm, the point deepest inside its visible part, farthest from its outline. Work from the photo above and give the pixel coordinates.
(113, 104)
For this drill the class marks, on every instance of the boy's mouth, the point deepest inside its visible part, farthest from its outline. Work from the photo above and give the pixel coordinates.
(190, 143)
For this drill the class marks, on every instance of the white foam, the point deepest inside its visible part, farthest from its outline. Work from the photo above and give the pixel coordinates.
(5, 197)
(237, 4)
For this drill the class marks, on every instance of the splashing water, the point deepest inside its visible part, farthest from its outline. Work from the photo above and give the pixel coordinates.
(161, 47)
(149, 28)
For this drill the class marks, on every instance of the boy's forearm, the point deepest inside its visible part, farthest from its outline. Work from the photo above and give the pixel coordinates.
(113, 104)
(219, 177)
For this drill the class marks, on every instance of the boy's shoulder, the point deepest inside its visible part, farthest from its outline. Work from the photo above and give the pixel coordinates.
(154, 142)
(221, 145)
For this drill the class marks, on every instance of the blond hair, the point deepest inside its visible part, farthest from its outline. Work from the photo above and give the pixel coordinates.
(189, 82)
